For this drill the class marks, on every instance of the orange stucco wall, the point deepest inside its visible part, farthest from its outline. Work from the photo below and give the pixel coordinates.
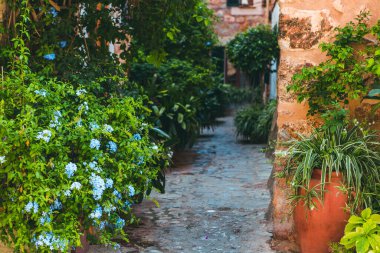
(304, 24)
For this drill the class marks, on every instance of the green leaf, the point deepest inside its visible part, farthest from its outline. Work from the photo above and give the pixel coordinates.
(376, 218)
(362, 245)
(366, 213)
(199, 18)
(355, 220)
(370, 62)
(180, 118)
(170, 35)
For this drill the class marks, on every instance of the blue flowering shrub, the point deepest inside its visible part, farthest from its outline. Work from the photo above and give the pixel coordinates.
(70, 161)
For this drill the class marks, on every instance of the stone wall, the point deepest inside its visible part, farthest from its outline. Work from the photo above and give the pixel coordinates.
(236, 19)
(304, 24)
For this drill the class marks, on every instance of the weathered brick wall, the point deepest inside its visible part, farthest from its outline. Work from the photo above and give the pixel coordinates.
(236, 19)
(304, 24)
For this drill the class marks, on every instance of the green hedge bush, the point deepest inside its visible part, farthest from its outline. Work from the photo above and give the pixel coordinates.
(253, 123)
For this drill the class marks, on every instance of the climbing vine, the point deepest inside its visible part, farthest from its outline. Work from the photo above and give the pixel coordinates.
(348, 73)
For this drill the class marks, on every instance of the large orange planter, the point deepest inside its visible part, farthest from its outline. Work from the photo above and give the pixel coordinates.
(317, 228)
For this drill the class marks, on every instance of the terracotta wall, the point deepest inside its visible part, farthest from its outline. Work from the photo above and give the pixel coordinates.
(304, 24)
(236, 19)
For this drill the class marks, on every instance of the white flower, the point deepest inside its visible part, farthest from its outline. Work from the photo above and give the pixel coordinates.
(75, 186)
(155, 147)
(44, 135)
(2, 159)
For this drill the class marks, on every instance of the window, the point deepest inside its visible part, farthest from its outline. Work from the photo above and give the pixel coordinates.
(233, 3)
(239, 3)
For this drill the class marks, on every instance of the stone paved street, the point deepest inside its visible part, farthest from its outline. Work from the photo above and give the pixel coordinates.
(216, 200)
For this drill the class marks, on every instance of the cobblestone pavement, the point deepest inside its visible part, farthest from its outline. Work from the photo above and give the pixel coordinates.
(215, 201)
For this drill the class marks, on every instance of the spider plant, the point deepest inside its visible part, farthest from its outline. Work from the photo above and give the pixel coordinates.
(351, 151)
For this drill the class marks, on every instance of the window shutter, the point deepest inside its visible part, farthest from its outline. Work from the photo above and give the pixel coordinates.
(250, 2)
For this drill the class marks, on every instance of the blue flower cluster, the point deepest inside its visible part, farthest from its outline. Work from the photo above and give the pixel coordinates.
(131, 190)
(31, 207)
(94, 166)
(45, 218)
(95, 143)
(109, 209)
(55, 123)
(79, 123)
(70, 169)
(120, 223)
(48, 239)
(57, 205)
(94, 126)
(53, 12)
(2, 159)
(127, 204)
(109, 183)
(108, 128)
(44, 135)
(41, 92)
(140, 161)
(102, 225)
(62, 44)
(137, 137)
(83, 106)
(97, 213)
(98, 186)
(80, 92)
(117, 194)
(67, 193)
(75, 186)
(49, 57)
(112, 146)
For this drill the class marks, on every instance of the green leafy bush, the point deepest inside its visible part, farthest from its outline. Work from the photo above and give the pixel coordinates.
(70, 157)
(185, 97)
(70, 160)
(253, 50)
(254, 122)
(363, 233)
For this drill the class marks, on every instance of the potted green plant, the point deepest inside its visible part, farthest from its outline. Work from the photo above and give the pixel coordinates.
(362, 233)
(329, 171)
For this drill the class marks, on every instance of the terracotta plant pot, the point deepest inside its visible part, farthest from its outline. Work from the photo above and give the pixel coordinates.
(317, 228)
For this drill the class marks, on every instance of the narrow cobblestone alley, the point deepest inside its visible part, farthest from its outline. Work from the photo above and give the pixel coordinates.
(216, 200)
